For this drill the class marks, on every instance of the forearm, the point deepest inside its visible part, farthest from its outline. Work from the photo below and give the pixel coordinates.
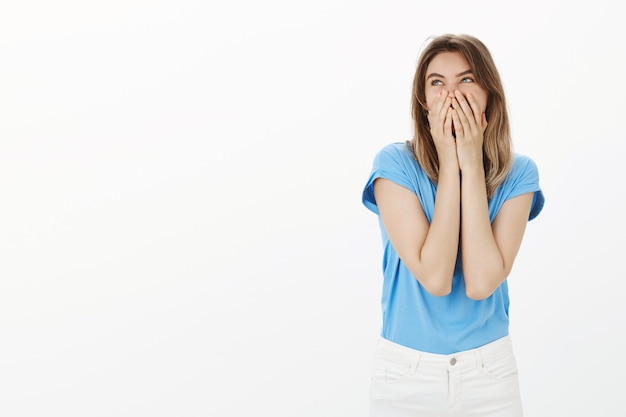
(483, 264)
(439, 252)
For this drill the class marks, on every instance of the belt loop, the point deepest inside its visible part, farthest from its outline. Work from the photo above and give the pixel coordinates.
(417, 362)
(479, 360)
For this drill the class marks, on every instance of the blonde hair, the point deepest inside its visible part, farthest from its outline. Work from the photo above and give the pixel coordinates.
(497, 143)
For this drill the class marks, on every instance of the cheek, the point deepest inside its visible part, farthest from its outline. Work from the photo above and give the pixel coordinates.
(483, 103)
(481, 98)
(430, 99)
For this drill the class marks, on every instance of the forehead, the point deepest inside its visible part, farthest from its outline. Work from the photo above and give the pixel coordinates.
(448, 64)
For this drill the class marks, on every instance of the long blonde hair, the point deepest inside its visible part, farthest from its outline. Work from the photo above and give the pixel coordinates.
(497, 143)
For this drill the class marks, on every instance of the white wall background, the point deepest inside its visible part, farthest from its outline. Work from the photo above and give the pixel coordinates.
(181, 228)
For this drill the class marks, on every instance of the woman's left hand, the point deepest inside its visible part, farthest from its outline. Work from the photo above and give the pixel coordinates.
(469, 123)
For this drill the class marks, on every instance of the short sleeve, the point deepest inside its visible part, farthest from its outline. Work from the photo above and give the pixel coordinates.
(390, 163)
(524, 178)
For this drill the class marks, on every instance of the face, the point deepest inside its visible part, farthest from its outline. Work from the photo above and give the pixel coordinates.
(449, 71)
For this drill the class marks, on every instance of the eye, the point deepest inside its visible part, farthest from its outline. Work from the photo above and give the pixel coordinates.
(436, 82)
(467, 80)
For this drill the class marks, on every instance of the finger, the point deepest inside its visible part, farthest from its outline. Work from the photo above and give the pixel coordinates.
(464, 105)
(476, 111)
(462, 108)
(435, 111)
(459, 129)
(437, 104)
(447, 126)
(440, 115)
(441, 105)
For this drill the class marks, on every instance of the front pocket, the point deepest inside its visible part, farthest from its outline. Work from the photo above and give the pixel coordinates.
(388, 370)
(500, 367)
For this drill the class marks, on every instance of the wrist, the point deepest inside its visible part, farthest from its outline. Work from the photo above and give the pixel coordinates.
(472, 168)
(473, 175)
(449, 170)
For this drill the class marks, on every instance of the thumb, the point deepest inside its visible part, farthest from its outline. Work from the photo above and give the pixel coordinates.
(484, 121)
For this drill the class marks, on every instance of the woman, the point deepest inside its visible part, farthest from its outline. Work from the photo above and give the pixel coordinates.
(453, 204)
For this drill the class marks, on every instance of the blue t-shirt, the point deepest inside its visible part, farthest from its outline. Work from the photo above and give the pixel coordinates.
(413, 317)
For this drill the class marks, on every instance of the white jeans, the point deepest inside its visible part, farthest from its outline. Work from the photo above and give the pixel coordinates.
(479, 382)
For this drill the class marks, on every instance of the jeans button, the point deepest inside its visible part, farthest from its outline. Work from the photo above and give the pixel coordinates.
(453, 361)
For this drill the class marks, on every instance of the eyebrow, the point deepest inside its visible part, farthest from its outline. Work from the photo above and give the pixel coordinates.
(434, 74)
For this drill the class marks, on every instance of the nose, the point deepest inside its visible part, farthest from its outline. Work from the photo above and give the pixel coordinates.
(451, 91)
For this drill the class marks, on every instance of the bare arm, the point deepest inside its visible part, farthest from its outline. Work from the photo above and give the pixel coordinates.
(428, 251)
(489, 250)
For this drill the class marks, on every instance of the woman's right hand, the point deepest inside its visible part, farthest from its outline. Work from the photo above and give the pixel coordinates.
(440, 121)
